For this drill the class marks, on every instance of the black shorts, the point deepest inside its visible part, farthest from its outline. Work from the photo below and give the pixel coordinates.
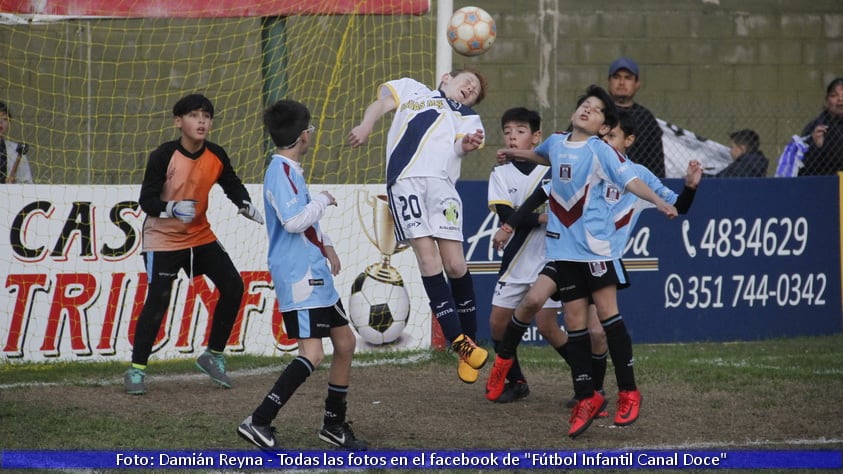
(208, 259)
(577, 280)
(314, 322)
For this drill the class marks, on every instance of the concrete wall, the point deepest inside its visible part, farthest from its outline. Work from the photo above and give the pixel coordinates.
(708, 66)
(93, 96)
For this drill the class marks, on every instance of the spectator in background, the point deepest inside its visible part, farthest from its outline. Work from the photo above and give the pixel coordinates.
(825, 135)
(749, 161)
(623, 84)
(14, 165)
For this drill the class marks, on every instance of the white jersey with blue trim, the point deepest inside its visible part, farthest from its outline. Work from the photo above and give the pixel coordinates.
(421, 141)
(523, 256)
(580, 225)
(627, 207)
(296, 261)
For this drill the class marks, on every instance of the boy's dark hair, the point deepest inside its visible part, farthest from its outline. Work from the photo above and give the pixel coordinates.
(627, 122)
(521, 114)
(285, 120)
(4, 109)
(610, 112)
(747, 138)
(838, 81)
(192, 102)
(484, 84)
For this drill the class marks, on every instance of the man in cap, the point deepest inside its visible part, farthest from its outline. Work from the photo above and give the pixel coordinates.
(623, 84)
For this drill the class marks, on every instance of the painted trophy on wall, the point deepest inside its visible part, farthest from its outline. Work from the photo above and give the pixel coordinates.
(379, 306)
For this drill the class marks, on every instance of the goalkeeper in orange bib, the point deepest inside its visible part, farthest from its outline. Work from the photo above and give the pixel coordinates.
(177, 236)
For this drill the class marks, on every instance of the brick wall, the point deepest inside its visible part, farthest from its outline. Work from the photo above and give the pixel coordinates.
(708, 66)
(92, 96)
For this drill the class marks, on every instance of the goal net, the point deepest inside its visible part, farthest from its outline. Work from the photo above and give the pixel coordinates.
(90, 88)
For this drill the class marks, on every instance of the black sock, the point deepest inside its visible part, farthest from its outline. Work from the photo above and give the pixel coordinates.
(579, 356)
(515, 373)
(288, 382)
(563, 352)
(598, 369)
(515, 330)
(335, 405)
(442, 305)
(620, 348)
(462, 289)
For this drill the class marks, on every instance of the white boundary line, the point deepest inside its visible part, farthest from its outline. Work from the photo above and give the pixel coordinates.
(690, 446)
(409, 359)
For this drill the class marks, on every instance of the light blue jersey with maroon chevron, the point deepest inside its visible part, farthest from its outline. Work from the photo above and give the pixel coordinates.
(627, 207)
(580, 226)
(296, 260)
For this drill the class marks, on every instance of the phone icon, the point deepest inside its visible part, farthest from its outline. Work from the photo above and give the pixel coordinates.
(692, 251)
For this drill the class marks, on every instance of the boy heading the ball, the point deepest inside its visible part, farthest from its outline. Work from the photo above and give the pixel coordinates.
(302, 262)
(432, 130)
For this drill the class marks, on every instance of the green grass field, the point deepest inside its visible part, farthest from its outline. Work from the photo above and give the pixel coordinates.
(782, 394)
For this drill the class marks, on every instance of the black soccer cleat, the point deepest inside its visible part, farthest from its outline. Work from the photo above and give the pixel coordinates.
(342, 436)
(514, 391)
(261, 436)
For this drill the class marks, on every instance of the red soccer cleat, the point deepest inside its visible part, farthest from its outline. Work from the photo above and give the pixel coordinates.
(584, 412)
(629, 402)
(497, 378)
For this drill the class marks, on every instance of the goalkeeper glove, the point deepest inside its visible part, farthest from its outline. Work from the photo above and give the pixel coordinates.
(184, 211)
(251, 212)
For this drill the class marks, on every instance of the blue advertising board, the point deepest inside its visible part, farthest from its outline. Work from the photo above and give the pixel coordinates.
(754, 258)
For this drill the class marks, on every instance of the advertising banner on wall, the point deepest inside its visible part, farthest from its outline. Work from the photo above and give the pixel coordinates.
(74, 282)
(752, 259)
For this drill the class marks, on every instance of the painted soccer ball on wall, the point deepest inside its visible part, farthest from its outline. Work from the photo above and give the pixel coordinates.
(378, 308)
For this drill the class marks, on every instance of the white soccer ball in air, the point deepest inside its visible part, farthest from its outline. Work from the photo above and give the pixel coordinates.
(378, 309)
(471, 31)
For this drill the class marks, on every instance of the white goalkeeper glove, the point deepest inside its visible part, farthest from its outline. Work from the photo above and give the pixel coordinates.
(251, 212)
(184, 211)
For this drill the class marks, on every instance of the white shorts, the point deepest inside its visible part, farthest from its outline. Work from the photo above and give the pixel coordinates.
(425, 207)
(508, 295)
